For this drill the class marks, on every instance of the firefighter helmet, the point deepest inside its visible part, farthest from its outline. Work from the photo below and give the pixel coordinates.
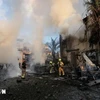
(59, 59)
(50, 62)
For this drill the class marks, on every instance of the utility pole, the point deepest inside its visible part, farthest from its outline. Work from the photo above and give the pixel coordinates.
(60, 40)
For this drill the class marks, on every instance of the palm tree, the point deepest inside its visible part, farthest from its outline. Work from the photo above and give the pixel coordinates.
(54, 46)
(93, 9)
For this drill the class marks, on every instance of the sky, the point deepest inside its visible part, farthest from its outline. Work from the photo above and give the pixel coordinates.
(5, 14)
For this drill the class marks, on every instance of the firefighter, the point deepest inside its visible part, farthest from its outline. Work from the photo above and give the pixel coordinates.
(19, 63)
(23, 68)
(61, 69)
(52, 67)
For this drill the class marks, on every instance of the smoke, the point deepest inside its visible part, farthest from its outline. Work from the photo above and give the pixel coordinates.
(59, 14)
(28, 6)
(38, 48)
(61, 10)
(9, 30)
(38, 16)
(65, 17)
(37, 12)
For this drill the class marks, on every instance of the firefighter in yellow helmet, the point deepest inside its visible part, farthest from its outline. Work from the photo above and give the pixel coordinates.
(52, 67)
(61, 69)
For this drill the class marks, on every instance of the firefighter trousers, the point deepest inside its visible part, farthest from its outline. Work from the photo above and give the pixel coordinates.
(52, 70)
(23, 73)
(61, 71)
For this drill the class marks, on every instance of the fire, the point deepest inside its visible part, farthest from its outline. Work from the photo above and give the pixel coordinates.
(82, 68)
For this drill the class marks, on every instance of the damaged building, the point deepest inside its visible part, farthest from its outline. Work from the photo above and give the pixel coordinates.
(73, 47)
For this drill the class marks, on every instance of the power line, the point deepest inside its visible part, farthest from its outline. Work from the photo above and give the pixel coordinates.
(79, 28)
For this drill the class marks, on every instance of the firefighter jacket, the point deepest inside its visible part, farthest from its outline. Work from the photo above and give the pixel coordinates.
(60, 64)
(52, 64)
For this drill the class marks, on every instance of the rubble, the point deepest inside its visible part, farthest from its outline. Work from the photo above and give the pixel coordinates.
(49, 88)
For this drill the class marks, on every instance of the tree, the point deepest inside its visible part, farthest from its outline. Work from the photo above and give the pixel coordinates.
(93, 9)
(54, 46)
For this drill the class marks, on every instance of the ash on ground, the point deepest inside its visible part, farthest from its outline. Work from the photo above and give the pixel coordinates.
(46, 87)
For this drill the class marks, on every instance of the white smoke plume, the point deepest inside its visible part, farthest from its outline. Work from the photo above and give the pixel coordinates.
(28, 6)
(9, 30)
(61, 10)
(52, 13)
(38, 48)
(39, 12)
(66, 18)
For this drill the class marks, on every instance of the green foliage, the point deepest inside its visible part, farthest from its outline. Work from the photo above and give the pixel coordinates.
(54, 46)
(93, 8)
